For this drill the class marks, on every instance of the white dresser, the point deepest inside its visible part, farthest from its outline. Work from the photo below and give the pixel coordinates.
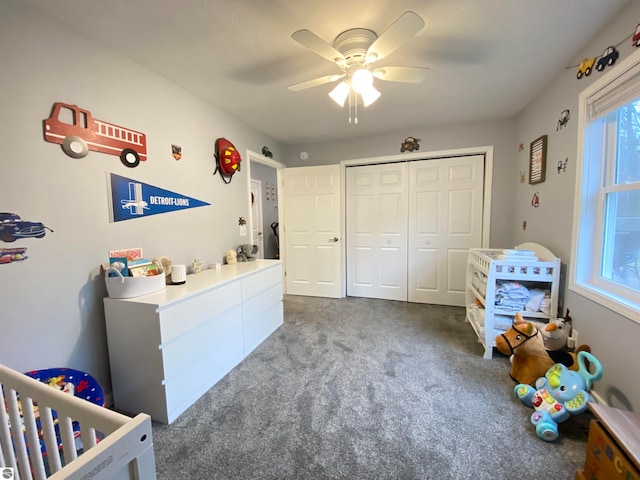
(168, 348)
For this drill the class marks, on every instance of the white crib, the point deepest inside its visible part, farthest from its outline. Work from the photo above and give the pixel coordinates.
(113, 446)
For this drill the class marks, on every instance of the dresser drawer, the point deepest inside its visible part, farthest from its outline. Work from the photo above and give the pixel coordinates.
(261, 281)
(223, 354)
(216, 334)
(177, 319)
(258, 327)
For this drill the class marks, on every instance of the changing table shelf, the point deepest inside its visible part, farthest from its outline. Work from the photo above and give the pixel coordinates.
(486, 269)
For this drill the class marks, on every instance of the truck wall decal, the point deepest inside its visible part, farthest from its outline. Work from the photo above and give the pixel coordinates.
(133, 199)
(78, 132)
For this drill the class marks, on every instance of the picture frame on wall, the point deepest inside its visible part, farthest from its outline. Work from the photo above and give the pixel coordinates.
(538, 160)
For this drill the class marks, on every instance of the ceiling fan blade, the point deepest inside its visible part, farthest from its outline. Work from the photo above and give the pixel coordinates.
(403, 29)
(315, 82)
(401, 74)
(314, 43)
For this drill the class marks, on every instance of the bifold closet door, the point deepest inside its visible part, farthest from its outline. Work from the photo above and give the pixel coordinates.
(377, 231)
(445, 220)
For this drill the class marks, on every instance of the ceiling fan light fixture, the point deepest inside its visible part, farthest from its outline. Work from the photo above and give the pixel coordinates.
(340, 93)
(361, 80)
(369, 95)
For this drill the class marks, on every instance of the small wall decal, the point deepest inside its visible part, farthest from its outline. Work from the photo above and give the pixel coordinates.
(522, 176)
(78, 132)
(242, 221)
(133, 199)
(562, 166)
(9, 255)
(266, 152)
(410, 144)
(521, 147)
(524, 225)
(564, 119)
(176, 152)
(13, 228)
(535, 200)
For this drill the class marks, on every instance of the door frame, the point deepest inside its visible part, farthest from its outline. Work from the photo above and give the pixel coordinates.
(487, 151)
(252, 156)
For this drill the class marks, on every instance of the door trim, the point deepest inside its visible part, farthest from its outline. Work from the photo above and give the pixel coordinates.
(252, 156)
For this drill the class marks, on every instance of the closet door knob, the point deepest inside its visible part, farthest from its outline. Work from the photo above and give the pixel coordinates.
(427, 242)
(334, 239)
(389, 242)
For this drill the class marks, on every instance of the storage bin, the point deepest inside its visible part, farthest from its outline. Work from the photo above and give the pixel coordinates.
(129, 287)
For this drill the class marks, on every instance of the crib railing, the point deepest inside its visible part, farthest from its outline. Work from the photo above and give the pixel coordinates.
(112, 445)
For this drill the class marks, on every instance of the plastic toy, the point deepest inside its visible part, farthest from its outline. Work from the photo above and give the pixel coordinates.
(529, 357)
(559, 394)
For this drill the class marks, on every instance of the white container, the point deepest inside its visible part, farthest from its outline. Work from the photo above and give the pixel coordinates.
(178, 274)
(129, 287)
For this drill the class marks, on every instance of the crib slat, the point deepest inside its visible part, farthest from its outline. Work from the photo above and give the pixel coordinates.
(50, 441)
(35, 453)
(88, 436)
(8, 457)
(68, 441)
(16, 434)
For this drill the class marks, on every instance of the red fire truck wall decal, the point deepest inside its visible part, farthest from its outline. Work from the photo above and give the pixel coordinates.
(78, 132)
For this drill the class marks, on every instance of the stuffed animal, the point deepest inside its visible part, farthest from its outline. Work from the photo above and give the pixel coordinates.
(529, 357)
(559, 394)
(231, 257)
(556, 333)
(247, 252)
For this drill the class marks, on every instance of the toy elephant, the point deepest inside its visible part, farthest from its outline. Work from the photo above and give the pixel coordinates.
(559, 394)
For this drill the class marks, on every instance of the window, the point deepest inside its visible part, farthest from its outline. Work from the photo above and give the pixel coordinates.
(605, 259)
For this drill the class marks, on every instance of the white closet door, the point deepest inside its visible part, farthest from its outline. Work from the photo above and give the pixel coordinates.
(312, 231)
(377, 231)
(445, 213)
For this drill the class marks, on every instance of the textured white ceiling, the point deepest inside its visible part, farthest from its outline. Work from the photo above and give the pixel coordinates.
(488, 58)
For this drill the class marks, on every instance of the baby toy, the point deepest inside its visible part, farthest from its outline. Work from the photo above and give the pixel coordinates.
(529, 357)
(247, 253)
(556, 332)
(231, 257)
(559, 394)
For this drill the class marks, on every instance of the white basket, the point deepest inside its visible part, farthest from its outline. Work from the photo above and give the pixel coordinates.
(129, 287)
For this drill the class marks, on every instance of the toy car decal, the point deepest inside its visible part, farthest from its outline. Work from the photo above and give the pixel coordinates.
(133, 199)
(12, 228)
(78, 132)
(608, 58)
(8, 255)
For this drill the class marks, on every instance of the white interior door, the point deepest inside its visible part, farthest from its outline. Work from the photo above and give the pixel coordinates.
(257, 222)
(377, 231)
(445, 220)
(311, 232)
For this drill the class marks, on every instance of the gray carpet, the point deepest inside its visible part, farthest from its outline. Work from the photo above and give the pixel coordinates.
(366, 389)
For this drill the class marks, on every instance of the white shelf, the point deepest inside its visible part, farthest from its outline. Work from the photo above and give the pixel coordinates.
(543, 273)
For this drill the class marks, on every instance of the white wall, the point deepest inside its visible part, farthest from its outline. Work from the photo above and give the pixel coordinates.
(51, 304)
(613, 339)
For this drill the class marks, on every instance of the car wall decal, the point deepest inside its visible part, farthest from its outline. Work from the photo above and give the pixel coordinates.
(13, 228)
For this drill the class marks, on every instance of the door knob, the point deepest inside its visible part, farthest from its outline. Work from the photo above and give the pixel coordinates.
(427, 242)
(334, 239)
(389, 242)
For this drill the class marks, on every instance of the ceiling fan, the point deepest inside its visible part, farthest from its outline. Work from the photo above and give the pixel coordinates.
(354, 51)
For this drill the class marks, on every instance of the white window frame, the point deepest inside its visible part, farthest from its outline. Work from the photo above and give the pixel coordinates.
(620, 85)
